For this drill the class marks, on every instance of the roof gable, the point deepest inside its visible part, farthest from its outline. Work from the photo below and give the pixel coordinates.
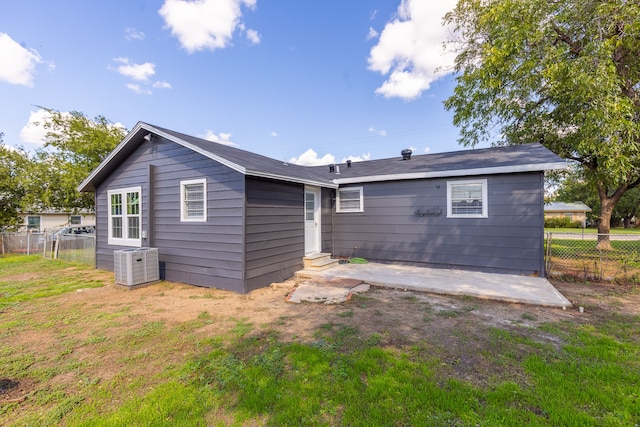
(504, 159)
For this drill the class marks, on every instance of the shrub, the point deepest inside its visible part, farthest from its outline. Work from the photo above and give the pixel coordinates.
(561, 222)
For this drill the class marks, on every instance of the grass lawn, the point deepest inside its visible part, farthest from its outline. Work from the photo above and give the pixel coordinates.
(80, 352)
(592, 230)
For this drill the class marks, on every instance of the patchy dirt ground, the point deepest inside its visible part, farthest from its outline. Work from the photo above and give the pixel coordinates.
(400, 318)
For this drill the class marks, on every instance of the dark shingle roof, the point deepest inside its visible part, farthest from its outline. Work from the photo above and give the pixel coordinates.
(506, 159)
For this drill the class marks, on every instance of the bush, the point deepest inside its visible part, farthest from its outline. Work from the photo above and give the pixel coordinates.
(561, 222)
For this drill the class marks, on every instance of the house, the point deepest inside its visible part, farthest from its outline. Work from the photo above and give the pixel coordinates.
(227, 218)
(53, 219)
(575, 212)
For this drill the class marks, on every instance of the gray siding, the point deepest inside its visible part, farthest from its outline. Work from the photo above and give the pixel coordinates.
(274, 231)
(205, 254)
(510, 240)
(326, 219)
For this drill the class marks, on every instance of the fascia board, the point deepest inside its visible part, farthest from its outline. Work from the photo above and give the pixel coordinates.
(454, 173)
(85, 183)
(326, 184)
(143, 126)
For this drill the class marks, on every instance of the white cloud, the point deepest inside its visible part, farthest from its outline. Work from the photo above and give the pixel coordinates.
(221, 138)
(133, 34)
(253, 36)
(362, 158)
(379, 132)
(274, 134)
(204, 24)
(138, 90)
(18, 63)
(138, 72)
(310, 158)
(161, 85)
(372, 34)
(427, 150)
(34, 131)
(410, 49)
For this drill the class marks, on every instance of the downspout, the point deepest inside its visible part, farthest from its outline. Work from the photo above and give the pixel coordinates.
(150, 205)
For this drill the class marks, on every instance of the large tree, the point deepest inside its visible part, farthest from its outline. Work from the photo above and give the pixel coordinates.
(74, 146)
(562, 73)
(14, 166)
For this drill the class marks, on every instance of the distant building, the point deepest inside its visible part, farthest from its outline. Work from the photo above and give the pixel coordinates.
(47, 220)
(576, 211)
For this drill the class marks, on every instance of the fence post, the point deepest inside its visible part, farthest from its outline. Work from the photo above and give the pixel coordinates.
(547, 266)
(57, 246)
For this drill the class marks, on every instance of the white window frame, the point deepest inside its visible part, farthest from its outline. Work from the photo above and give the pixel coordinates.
(39, 227)
(75, 216)
(125, 240)
(183, 202)
(340, 209)
(485, 201)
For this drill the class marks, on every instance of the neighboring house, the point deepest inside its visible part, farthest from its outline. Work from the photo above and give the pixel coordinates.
(53, 219)
(227, 218)
(576, 211)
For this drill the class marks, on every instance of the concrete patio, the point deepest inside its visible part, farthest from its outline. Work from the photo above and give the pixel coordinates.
(502, 287)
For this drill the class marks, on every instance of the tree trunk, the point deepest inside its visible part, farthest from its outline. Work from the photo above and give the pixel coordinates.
(607, 204)
(626, 222)
(604, 226)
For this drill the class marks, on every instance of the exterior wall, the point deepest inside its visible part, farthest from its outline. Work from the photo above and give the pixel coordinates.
(274, 231)
(510, 240)
(199, 253)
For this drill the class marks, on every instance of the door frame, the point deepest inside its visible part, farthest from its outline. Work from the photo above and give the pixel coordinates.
(317, 247)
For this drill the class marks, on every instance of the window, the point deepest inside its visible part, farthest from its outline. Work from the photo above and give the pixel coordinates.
(349, 200)
(33, 222)
(193, 200)
(125, 217)
(75, 220)
(467, 199)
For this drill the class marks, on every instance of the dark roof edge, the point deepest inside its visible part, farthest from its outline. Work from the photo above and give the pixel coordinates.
(454, 173)
(87, 183)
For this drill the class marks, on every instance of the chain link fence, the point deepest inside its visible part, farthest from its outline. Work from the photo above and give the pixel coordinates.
(610, 257)
(28, 243)
(67, 247)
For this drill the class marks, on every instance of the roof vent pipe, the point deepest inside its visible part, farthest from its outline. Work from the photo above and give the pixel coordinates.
(406, 154)
(332, 168)
(348, 164)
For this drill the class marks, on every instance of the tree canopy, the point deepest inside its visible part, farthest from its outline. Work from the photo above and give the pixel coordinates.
(74, 146)
(13, 166)
(565, 74)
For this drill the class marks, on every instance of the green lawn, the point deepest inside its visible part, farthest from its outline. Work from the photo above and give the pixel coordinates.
(107, 363)
(592, 230)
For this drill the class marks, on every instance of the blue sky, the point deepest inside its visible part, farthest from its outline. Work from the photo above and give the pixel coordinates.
(346, 79)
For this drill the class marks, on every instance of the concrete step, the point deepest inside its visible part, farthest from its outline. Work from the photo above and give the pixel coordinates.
(310, 260)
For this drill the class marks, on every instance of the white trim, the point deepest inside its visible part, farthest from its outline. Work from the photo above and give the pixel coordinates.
(485, 200)
(316, 237)
(453, 173)
(183, 206)
(339, 209)
(310, 182)
(124, 240)
(26, 219)
(141, 126)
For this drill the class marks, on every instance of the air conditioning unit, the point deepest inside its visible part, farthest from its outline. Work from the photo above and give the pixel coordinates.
(137, 266)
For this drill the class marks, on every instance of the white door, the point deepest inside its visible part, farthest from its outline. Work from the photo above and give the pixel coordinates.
(311, 220)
